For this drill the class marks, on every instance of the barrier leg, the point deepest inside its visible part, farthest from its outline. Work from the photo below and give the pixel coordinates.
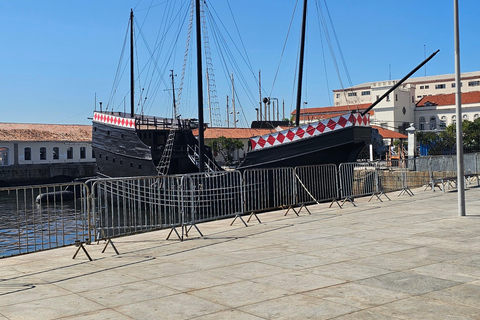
(253, 214)
(80, 246)
(109, 241)
(239, 217)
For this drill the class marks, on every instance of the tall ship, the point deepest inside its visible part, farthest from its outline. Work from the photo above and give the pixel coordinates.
(130, 144)
(331, 141)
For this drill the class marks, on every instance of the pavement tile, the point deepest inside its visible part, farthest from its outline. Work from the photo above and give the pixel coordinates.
(348, 271)
(357, 295)
(298, 307)
(231, 314)
(128, 293)
(106, 314)
(240, 293)
(422, 308)
(297, 281)
(449, 271)
(298, 261)
(16, 292)
(50, 308)
(365, 315)
(202, 279)
(409, 283)
(465, 294)
(181, 306)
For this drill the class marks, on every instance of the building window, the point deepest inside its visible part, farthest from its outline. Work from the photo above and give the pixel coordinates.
(113, 160)
(121, 162)
(338, 95)
(83, 153)
(421, 123)
(70, 153)
(3, 156)
(388, 98)
(473, 83)
(422, 87)
(454, 119)
(427, 87)
(475, 117)
(43, 153)
(465, 117)
(443, 122)
(396, 97)
(139, 166)
(440, 86)
(454, 85)
(352, 94)
(365, 93)
(433, 123)
(55, 154)
(419, 97)
(27, 153)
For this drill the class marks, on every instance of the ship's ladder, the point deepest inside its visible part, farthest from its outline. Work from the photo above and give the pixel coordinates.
(164, 163)
(193, 155)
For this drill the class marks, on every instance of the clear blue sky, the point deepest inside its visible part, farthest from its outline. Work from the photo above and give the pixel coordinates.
(55, 56)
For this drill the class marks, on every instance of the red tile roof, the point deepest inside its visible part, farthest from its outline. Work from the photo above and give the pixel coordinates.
(45, 132)
(335, 109)
(389, 134)
(449, 99)
(235, 133)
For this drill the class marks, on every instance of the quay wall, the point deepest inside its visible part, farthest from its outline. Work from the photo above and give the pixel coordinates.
(45, 173)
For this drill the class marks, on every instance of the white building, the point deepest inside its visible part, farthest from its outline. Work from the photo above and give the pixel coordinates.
(22, 144)
(437, 112)
(40, 153)
(399, 109)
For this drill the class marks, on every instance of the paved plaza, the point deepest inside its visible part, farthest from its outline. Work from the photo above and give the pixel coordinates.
(408, 258)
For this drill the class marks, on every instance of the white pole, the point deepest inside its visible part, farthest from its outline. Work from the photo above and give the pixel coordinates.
(458, 104)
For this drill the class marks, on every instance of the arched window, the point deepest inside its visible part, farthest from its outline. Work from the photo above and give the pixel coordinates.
(43, 153)
(27, 153)
(3, 156)
(443, 122)
(433, 123)
(475, 117)
(465, 117)
(83, 153)
(421, 122)
(454, 119)
(56, 152)
(70, 153)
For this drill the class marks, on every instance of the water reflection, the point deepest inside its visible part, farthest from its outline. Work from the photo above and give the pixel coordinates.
(26, 226)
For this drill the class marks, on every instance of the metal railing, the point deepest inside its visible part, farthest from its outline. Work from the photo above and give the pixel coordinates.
(106, 208)
(43, 217)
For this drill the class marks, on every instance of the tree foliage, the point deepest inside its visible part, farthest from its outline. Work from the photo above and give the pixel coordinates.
(225, 147)
(444, 142)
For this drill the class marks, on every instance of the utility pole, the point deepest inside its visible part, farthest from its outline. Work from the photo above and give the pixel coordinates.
(458, 104)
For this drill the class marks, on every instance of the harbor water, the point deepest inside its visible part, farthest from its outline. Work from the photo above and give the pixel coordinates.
(27, 226)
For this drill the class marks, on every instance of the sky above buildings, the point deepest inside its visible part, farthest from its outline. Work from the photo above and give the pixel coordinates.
(59, 59)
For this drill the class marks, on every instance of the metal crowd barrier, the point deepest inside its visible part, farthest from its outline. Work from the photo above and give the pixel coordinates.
(43, 217)
(316, 184)
(268, 189)
(124, 206)
(210, 196)
(358, 179)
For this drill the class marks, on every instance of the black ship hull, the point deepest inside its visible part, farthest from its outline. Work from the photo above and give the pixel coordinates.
(136, 149)
(335, 147)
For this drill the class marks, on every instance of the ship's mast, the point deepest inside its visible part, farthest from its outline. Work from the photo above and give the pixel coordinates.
(300, 65)
(201, 144)
(132, 80)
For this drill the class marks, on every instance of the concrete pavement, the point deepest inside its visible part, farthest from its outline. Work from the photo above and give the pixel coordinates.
(409, 258)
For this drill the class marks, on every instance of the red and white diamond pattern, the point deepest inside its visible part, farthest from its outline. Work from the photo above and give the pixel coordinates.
(113, 120)
(310, 130)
